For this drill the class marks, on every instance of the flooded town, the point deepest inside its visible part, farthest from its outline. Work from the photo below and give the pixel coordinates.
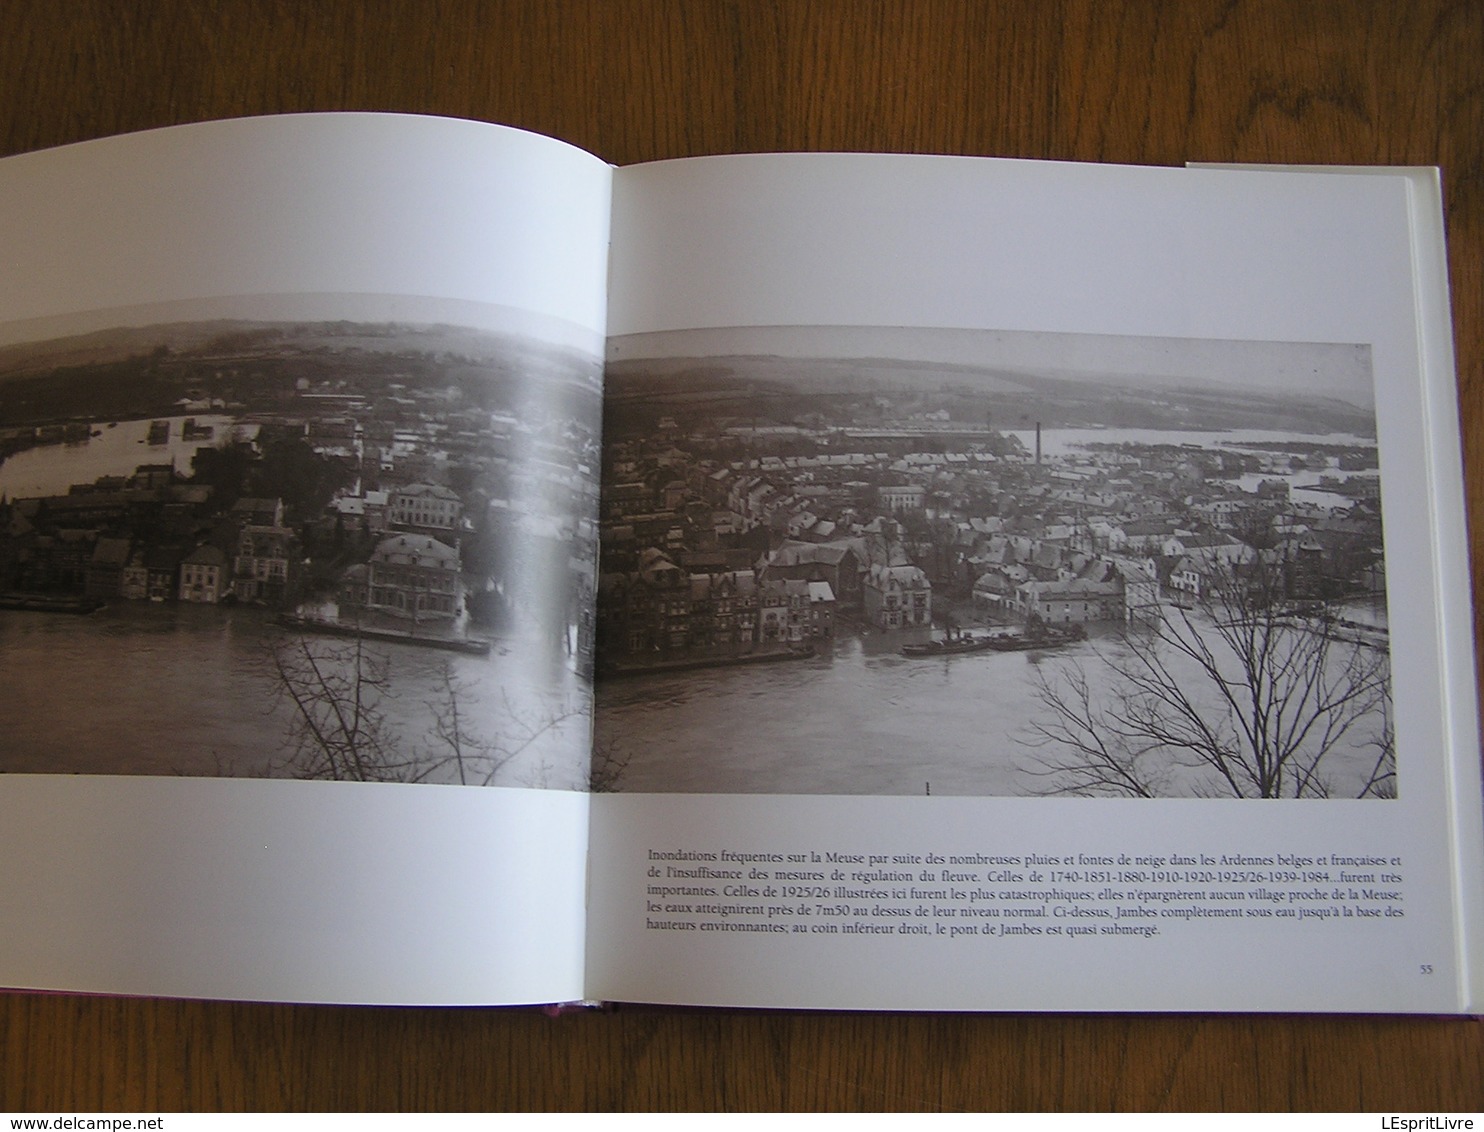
(371, 551)
(830, 575)
(330, 550)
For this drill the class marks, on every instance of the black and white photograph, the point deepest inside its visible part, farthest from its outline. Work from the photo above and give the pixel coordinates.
(875, 561)
(347, 549)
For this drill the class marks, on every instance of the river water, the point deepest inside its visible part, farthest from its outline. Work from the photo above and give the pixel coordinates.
(1059, 442)
(116, 448)
(1068, 441)
(177, 688)
(860, 718)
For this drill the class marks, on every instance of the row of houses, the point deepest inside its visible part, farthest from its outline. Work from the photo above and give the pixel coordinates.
(257, 571)
(1122, 501)
(149, 536)
(1087, 589)
(407, 575)
(663, 608)
(793, 595)
(1100, 589)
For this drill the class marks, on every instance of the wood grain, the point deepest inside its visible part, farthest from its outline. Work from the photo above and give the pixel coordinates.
(1140, 81)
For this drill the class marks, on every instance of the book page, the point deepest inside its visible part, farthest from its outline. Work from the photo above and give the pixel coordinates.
(1022, 587)
(298, 481)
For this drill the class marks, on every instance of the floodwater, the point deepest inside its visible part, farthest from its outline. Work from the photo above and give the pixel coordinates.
(114, 448)
(177, 688)
(1074, 441)
(859, 719)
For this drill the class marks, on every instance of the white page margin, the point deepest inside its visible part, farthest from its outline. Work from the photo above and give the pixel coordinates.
(292, 891)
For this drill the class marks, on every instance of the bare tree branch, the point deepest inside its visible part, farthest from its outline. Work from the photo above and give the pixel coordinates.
(337, 728)
(338, 693)
(1247, 694)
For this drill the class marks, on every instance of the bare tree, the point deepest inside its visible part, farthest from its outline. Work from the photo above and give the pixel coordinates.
(609, 764)
(455, 740)
(339, 694)
(337, 724)
(454, 743)
(1245, 694)
(1381, 781)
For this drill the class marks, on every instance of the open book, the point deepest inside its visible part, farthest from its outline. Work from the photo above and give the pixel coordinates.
(439, 567)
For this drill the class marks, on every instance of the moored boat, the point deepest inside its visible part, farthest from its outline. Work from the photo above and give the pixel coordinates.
(950, 646)
(1039, 637)
(43, 603)
(472, 645)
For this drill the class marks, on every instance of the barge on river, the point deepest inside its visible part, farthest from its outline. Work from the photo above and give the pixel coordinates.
(1015, 640)
(44, 603)
(614, 668)
(471, 645)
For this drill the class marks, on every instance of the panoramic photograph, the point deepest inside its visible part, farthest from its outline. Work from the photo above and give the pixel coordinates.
(339, 549)
(876, 561)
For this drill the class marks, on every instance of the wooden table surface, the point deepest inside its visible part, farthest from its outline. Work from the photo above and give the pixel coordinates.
(1140, 81)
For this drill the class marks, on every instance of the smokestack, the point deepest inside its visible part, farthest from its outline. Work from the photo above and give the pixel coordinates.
(1038, 443)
